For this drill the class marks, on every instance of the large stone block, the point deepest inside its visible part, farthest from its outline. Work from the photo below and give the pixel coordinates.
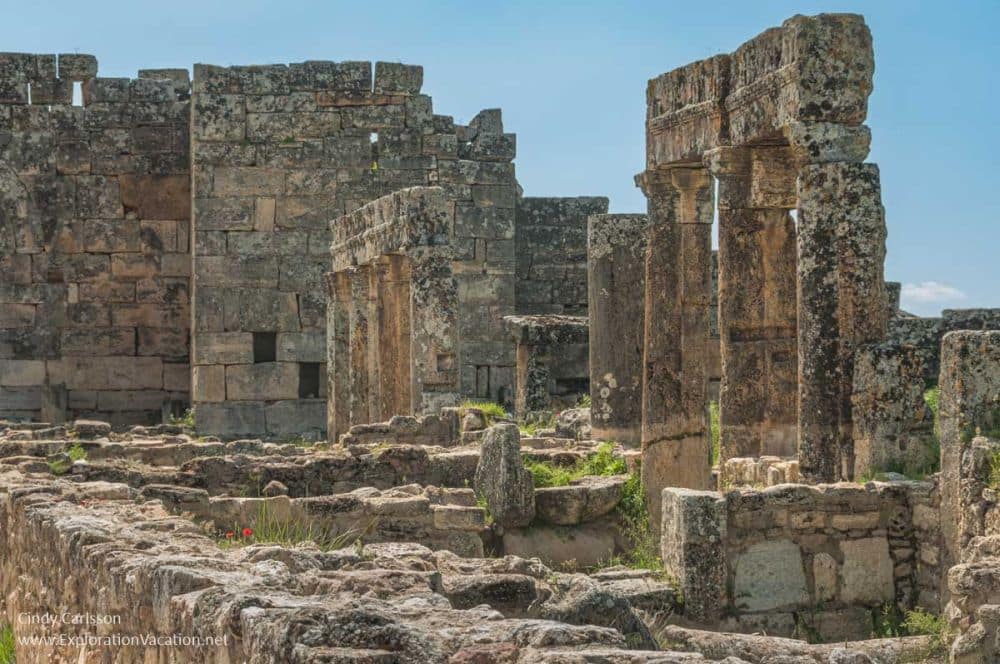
(231, 419)
(502, 480)
(693, 548)
(157, 196)
(265, 381)
(769, 575)
(867, 572)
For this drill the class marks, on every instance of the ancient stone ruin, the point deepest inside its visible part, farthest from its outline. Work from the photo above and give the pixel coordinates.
(292, 371)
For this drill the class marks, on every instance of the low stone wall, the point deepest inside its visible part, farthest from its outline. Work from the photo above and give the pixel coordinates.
(805, 560)
(759, 471)
(436, 518)
(431, 430)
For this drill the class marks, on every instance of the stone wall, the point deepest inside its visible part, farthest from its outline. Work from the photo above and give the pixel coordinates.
(926, 333)
(94, 241)
(280, 151)
(796, 559)
(552, 361)
(893, 427)
(552, 254)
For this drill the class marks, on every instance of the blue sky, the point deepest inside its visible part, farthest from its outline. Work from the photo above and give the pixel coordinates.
(571, 76)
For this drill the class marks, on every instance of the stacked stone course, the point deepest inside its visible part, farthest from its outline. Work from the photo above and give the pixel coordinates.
(94, 241)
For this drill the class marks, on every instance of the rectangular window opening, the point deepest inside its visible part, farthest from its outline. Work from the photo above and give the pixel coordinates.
(265, 347)
(77, 93)
(308, 380)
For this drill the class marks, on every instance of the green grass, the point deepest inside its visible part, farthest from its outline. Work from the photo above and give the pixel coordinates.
(185, 420)
(269, 528)
(583, 401)
(890, 622)
(61, 466)
(715, 431)
(492, 411)
(601, 462)
(8, 644)
(532, 428)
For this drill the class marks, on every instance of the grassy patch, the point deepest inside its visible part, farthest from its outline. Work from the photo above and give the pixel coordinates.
(583, 401)
(269, 528)
(61, 465)
(890, 622)
(534, 426)
(601, 462)
(492, 411)
(715, 431)
(186, 420)
(8, 644)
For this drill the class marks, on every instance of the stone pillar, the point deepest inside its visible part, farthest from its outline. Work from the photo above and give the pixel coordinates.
(376, 273)
(969, 405)
(675, 441)
(841, 296)
(757, 312)
(434, 331)
(616, 264)
(358, 310)
(394, 335)
(693, 549)
(531, 388)
(338, 362)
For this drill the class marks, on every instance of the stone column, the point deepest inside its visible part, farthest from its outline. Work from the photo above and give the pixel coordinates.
(376, 273)
(616, 264)
(841, 297)
(359, 310)
(757, 312)
(434, 331)
(338, 375)
(394, 336)
(675, 441)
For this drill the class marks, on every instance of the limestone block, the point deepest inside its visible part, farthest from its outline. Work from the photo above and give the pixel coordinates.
(586, 544)
(263, 381)
(230, 419)
(824, 577)
(77, 66)
(104, 90)
(157, 196)
(98, 197)
(217, 117)
(585, 500)
(769, 575)
(867, 571)
(208, 383)
(288, 418)
(301, 347)
(223, 348)
(22, 373)
(693, 547)
(264, 310)
(502, 480)
(396, 77)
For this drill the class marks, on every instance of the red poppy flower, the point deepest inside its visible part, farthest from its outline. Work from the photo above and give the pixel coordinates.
(229, 535)
(247, 532)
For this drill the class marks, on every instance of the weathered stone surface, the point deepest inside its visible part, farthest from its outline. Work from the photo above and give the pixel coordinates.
(502, 480)
(616, 254)
(769, 576)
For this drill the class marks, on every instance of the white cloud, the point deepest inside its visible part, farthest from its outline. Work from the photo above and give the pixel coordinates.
(928, 292)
